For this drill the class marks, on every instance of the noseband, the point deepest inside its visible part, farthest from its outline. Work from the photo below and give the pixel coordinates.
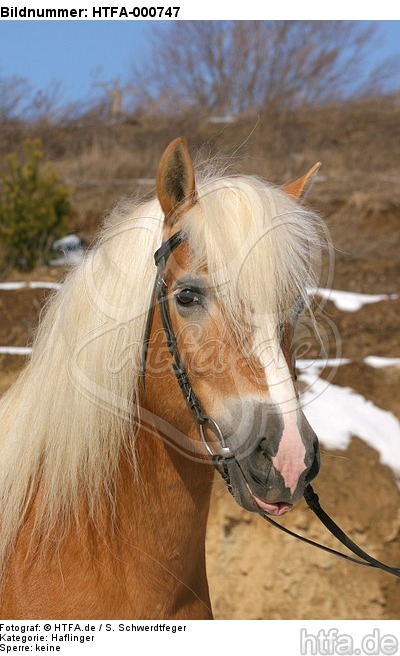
(222, 460)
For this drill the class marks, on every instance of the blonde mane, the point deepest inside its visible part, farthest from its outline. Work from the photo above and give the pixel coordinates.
(67, 417)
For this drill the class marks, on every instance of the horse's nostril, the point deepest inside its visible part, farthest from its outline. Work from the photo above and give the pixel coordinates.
(314, 469)
(262, 447)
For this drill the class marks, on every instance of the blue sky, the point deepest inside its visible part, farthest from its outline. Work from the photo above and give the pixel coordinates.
(79, 53)
(74, 53)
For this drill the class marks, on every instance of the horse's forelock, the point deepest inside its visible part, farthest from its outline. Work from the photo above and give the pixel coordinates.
(261, 249)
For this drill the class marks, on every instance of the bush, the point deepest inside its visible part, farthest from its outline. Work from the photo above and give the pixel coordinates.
(34, 208)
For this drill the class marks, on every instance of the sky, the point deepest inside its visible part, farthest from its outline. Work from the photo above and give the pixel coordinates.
(79, 54)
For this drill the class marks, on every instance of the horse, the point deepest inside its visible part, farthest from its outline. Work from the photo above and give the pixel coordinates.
(142, 383)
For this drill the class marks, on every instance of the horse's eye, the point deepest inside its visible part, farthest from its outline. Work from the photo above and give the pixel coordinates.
(188, 297)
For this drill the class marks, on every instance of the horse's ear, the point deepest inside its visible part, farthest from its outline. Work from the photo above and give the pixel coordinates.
(176, 187)
(297, 188)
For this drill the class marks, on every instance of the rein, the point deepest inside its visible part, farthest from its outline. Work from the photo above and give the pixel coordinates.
(226, 457)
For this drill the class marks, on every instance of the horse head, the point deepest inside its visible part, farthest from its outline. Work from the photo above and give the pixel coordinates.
(232, 308)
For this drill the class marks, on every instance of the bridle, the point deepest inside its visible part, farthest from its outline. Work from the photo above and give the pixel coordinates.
(222, 460)
(160, 292)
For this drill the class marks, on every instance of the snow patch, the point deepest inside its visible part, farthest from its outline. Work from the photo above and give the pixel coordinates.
(15, 350)
(337, 413)
(379, 362)
(351, 301)
(12, 286)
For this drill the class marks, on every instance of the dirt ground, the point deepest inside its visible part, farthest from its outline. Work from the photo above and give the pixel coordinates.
(255, 571)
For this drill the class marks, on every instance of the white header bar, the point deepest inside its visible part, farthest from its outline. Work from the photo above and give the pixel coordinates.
(134, 10)
(197, 638)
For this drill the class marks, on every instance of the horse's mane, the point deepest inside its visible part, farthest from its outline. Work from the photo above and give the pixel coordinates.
(65, 420)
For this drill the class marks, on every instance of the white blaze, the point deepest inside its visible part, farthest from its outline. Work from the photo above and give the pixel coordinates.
(289, 460)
